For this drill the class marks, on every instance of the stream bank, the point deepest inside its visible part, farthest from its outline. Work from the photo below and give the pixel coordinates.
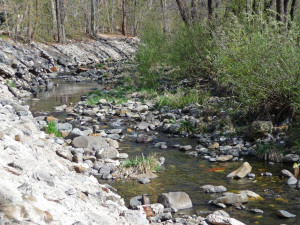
(120, 124)
(182, 170)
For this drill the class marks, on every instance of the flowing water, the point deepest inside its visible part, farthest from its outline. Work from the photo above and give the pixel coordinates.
(186, 173)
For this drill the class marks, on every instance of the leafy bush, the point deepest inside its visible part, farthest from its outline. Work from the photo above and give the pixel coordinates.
(11, 83)
(149, 56)
(117, 95)
(51, 129)
(186, 126)
(142, 165)
(189, 50)
(269, 152)
(261, 67)
(181, 98)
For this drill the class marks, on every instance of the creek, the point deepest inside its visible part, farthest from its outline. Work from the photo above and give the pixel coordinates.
(186, 173)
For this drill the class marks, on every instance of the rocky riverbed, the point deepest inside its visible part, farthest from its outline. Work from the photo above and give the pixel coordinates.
(54, 180)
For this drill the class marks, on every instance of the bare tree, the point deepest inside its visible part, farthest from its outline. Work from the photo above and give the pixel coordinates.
(209, 8)
(286, 10)
(94, 17)
(54, 21)
(124, 18)
(182, 11)
(279, 9)
(36, 24)
(163, 13)
(60, 16)
(193, 10)
(293, 9)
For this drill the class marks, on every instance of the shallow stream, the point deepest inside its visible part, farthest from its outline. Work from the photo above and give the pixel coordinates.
(186, 173)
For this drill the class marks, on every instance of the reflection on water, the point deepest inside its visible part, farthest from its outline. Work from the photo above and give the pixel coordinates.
(63, 93)
(184, 173)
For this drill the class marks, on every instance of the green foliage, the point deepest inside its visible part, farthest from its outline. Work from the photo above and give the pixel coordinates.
(181, 98)
(261, 65)
(116, 95)
(186, 50)
(189, 50)
(51, 129)
(186, 126)
(269, 151)
(100, 65)
(149, 56)
(142, 165)
(11, 83)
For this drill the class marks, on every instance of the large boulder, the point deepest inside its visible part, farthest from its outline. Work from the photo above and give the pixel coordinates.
(75, 133)
(64, 127)
(107, 153)
(89, 142)
(285, 214)
(230, 198)
(177, 200)
(260, 129)
(222, 220)
(291, 158)
(286, 173)
(292, 181)
(241, 172)
(143, 138)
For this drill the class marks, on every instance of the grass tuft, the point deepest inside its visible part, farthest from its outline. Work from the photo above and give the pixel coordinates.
(141, 165)
(51, 129)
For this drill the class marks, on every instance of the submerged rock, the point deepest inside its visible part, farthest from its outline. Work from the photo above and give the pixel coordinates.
(285, 214)
(230, 198)
(213, 189)
(241, 172)
(143, 138)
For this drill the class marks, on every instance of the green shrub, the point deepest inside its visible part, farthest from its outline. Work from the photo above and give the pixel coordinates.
(181, 98)
(142, 165)
(149, 56)
(117, 95)
(189, 50)
(186, 126)
(11, 83)
(261, 67)
(51, 129)
(269, 152)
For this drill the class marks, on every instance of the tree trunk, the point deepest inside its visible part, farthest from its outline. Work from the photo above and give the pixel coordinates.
(293, 9)
(36, 23)
(286, 10)
(163, 11)
(60, 15)
(193, 11)
(279, 10)
(254, 7)
(124, 22)
(182, 12)
(94, 26)
(210, 9)
(134, 18)
(54, 22)
(29, 25)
